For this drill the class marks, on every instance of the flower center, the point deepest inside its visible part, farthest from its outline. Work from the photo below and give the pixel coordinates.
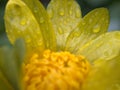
(55, 71)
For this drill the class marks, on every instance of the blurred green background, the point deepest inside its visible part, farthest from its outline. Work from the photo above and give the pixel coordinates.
(86, 6)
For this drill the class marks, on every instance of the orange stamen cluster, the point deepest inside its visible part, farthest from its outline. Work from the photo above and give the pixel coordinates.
(55, 71)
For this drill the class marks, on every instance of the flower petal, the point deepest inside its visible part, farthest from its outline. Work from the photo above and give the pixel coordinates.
(106, 46)
(28, 19)
(93, 24)
(65, 16)
(4, 85)
(19, 52)
(105, 75)
(11, 60)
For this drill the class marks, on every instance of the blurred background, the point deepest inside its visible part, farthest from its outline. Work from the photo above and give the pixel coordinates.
(86, 6)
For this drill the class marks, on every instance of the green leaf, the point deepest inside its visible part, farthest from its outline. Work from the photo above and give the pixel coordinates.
(93, 24)
(65, 16)
(28, 19)
(104, 75)
(106, 46)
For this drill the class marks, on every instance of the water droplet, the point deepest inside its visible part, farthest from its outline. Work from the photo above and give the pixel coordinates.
(60, 31)
(83, 23)
(23, 22)
(50, 13)
(90, 20)
(61, 12)
(35, 9)
(99, 44)
(106, 53)
(96, 13)
(78, 13)
(96, 29)
(76, 34)
(41, 20)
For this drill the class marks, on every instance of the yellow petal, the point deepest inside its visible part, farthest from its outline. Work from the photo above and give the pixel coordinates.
(28, 19)
(65, 16)
(106, 46)
(93, 24)
(105, 75)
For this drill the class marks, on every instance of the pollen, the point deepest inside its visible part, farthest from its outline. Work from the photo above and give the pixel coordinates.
(55, 71)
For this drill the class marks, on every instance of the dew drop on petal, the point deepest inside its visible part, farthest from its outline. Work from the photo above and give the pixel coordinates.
(90, 20)
(61, 12)
(106, 53)
(96, 29)
(35, 9)
(76, 34)
(98, 45)
(83, 23)
(42, 20)
(96, 13)
(23, 22)
(39, 43)
(60, 31)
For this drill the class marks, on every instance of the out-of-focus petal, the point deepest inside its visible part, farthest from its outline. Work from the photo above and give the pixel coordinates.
(19, 52)
(65, 16)
(104, 75)
(93, 24)
(4, 85)
(11, 60)
(28, 19)
(106, 46)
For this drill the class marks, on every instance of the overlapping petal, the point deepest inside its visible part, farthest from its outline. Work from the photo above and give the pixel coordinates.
(10, 66)
(93, 24)
(85, 36)
(4, 85)
(104, 75)
(65, 16)
(28, 19)
(106, 46)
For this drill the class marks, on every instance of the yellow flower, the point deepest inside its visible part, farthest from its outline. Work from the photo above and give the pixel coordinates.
(63, 50)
